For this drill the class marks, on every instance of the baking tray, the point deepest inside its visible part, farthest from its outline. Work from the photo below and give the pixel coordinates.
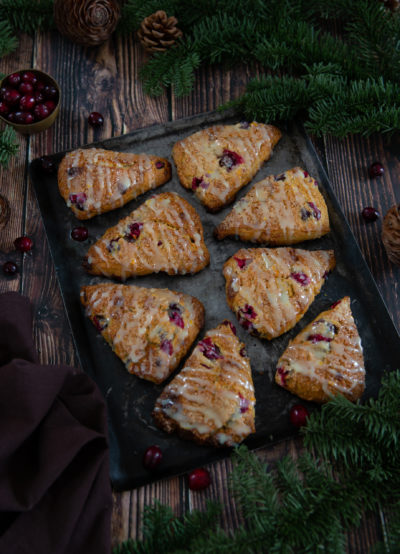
(130, 400)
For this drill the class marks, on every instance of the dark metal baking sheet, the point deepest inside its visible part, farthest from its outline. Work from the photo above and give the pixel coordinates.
(130, 400)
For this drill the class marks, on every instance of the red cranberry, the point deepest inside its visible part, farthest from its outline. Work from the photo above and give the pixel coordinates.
(79, 233)
(376, 170)
(245, 315)
(174, 314)
(29, 77)
(27, 102)
(199, 182)
(41, 111)
(283, 373)
(19, 117)
(39, 86)
(95, 119)
(317, 337)
(298, 415)
(199, 479)
(233, 328)
(78, 199)
(28, 118)
(209, 349)
(10, 268)
(315, 211)
(335, 304)
(50, 92)
(25, 88)
(166, 346)
(244, 404)
(39, 98)
(11, 117)
(370, 214)
(4, 109)
(14, 79)
(301, 278)
(23, 244)
(242, 262)
(50, 104)
(114, 246)
(229, 159)
(134, 231)
(160, 164)
(152, 457)
(11, 96)
(100, 322)
(47, 164)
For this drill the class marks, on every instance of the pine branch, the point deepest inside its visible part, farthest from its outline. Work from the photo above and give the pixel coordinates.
(8, 145)
(27, 16)
(8, 42)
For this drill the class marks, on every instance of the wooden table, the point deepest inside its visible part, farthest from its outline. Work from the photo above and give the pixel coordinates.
(106, 80)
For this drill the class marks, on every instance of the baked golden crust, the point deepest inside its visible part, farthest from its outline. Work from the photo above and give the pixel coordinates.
(211, 400)
(270, 289)
(150, 330)
(93, 181)
(283, 209)
(217, 162)
(325, 358)
(163, 234)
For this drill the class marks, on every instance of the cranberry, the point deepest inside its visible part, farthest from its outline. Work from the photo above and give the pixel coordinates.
(95, 119)
(28, 118)
(166, 346)
(14, 79)
(199, 182)
(209, 349)
(317, 337)
(370, 214)
(152, 457)
(19, 117)
(301, 278)
(100, 322)
(39, 86)
(242, 262)
(50, 105)
(376, 170)
(335, 304)
(315, 211)
(39, 98)
(29, 77)
(283, 373)
(25, 88)
(298, 415)
(113, 245)
(244, 404)
(78, 199)
(79, 233)
(305, 214)
(134, 231)
(233, 328)
(47, 164)
(50, 92)
(41, 111)
(23, 244)
(229, 159)
(247, 312)
(306, 174)
(243, 352)
(27, 102)
(280, 177)
(174, 314)
(4, 109)
(160, 164)
(199, 479)
(11, 117)
(10, 268)
(11, 96)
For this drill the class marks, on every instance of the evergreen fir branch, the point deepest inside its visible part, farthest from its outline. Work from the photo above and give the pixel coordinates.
(8, 145)
(8, 42)
(27, 16)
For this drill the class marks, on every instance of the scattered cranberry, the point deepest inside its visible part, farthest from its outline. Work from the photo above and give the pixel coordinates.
(376, 170)
(79, 233)
(229, 159)
(166, 346)
(10, 268)
(209, 349)
(14, 79)
(370, 214)
(29, 77)
(23, 244)
(160, 164)
(298, 415)
(233, 328)
(25, 88)
(27, 102)
(152, 457)
(41, 111)
(47, 164)
(301, 278)
(95, 119)
(174, 314)
(199, 479)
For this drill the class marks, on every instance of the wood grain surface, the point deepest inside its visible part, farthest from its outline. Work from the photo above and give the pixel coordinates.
(106, 80)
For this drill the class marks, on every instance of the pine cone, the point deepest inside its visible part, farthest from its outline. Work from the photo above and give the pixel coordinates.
(158, 32)
(87, 22)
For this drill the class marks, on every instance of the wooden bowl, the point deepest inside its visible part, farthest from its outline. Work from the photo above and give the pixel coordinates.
(42, 124)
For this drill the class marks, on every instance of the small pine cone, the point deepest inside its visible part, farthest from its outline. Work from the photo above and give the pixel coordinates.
(158, 32)
(391, 234)
(86, 22)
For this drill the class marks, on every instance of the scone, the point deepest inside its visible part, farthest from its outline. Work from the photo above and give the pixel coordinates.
(150, 330)
(94, 181)
(284, 209)
(211, 400)
(270, 289)
(217, 162)
(326, 358)
(163, 234)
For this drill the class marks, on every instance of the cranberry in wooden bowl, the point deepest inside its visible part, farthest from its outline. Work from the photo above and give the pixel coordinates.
(29, 100)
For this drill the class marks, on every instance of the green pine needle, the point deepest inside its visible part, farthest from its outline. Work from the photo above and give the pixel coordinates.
(27, 16)
(8, 145)
(8, 42)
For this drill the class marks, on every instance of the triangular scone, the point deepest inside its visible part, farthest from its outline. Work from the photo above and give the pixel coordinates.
(270, 289)
(163, 234)
(217, 162)
(93, 181)
(326, 358)
(149, 329)
(285, 209)
(211, 401)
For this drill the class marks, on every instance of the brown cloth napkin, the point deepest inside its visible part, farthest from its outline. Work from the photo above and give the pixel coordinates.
(55, 493)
